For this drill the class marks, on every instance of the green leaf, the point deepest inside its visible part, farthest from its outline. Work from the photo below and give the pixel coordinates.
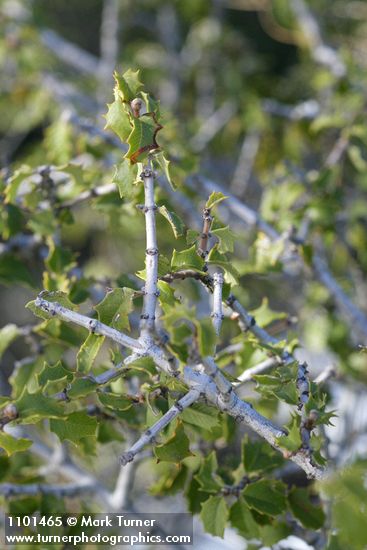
(264, 315)
(81, 387)
(178, 226)
(74, 427)
(241, 518)
(348, 493)
(214, 515)
(201, 416)
(166, 293)
(226, 238)
(231, 274)
(7, 335)
(258, 456)
(33, 407)
(15, 181)
(175, 448)
(12, 445)
(165, 167)
(310, 515)
(266, 496)
(151, 105)
(207, 476)
(127, 85)
(292, 442)
(14, 271)
(52, 373)
(142, 139)
(215, 198)
(186, 259)
(207, 337)
(115, 308)
(118, 120)
(114, 401)
(124, 177)
(88, 352)
(59, 260)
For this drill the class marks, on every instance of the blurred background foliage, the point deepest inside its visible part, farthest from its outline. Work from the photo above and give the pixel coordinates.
(267, 98)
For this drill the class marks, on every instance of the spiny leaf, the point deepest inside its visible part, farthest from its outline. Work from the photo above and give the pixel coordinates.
(12, 445)
(142, 139)
(231, 274)
(15, 181)
(127, 85)
(33, 407)
(7, 335)
(207, 476)
(310, 515)
(186, 259)
(266, 496)
(178, 226)
(215, 198)
(88, 352)
(242, 519)
(226, 238)
(75, 427)
(52, 373)
(125, 178)
(207, 337)
(115, 308)
(118, 119)
(165, 167)
(175, 448)
(214, 515)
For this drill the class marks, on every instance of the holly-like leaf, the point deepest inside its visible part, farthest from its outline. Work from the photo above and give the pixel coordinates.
(214, 515)
(166, 293)
(81, 387)
(258, 456)
(266, 496)
(292, 442)
(115, 308)
(215, 198)
(33, 407)
(226, 238)
(7, 335)
(12, 445)
(53, 373)
(264, 315)
(186, 259)
(231, 274)
(165, 167)
(178, 226)
(310, 515)
(14, 271)
(125, 177)
(201, 416)
(207, 337)
(127, 85)
(207, 476)
(242, 519)
(114, 401)
(175, 448)
(88, 352)
(142, 139)
(15, 181)
(74, 427)
(118, 119)
(151, 105)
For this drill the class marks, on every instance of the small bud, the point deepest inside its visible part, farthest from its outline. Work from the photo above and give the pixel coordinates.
(136, 105)
(10, 411)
